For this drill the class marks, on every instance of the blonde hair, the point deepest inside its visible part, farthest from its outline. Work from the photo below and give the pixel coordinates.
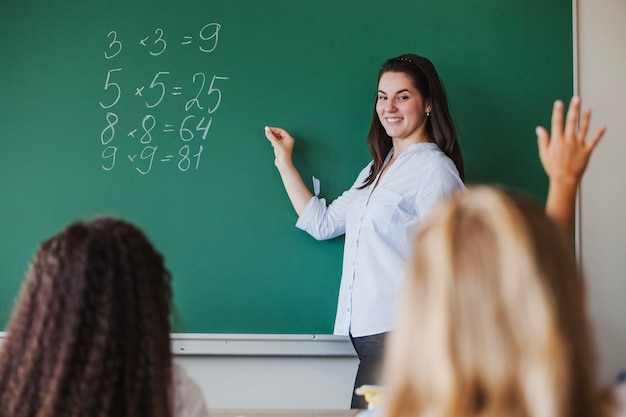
(491, 321)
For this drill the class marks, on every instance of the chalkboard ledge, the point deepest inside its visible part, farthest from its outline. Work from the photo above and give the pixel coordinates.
(261, 345)
(214, 344)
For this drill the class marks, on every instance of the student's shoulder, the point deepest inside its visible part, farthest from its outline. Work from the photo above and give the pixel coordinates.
(189, 399)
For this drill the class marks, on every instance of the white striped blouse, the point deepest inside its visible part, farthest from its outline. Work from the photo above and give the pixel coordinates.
(378, 222)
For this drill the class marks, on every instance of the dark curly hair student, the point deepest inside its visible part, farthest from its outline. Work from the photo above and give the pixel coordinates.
(90, 333)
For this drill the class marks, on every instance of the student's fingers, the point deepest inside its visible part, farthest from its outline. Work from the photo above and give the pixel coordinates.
(583, 127)
(572, 118)
(557, 119)
(596, 138)
(543, 141)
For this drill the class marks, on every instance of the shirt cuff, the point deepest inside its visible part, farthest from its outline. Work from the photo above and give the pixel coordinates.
(313, 210)
(309, 212)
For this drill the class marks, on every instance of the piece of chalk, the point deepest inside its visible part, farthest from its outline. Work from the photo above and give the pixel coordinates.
(267, 128)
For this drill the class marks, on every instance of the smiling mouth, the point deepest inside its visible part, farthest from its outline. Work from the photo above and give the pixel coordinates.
(393, 119)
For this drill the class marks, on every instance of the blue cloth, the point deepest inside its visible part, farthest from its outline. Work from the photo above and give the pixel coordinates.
(378, 223)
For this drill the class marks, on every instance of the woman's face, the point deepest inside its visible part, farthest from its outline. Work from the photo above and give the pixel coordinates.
(401, 108)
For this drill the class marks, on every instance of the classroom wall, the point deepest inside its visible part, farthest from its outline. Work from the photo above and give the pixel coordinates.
(270, 371)
(246, 382)
(602, 86)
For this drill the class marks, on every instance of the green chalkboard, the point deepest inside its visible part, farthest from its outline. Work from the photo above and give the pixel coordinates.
(154, 111)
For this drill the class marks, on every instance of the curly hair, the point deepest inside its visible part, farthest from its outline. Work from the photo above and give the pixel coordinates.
(90, 333)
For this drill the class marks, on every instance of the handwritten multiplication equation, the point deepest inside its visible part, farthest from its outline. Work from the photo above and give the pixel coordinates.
(149, 140)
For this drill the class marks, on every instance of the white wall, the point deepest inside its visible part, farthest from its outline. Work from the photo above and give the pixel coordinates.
(602, 86)
(240, 382)
(270, 371)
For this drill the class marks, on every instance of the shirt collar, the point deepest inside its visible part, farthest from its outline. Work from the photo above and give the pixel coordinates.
(416, 147)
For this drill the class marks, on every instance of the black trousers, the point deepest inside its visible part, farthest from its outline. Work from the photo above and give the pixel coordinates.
(370, 352)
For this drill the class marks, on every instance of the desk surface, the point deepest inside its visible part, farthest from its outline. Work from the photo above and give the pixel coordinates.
(283, 413)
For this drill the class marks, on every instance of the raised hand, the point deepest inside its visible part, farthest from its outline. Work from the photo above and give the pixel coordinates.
(564, 154)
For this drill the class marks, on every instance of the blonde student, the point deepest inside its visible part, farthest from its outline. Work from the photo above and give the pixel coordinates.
(492, 319)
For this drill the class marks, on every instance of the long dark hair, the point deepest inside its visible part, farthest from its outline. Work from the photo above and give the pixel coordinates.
(439, 125)
(90, 333)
